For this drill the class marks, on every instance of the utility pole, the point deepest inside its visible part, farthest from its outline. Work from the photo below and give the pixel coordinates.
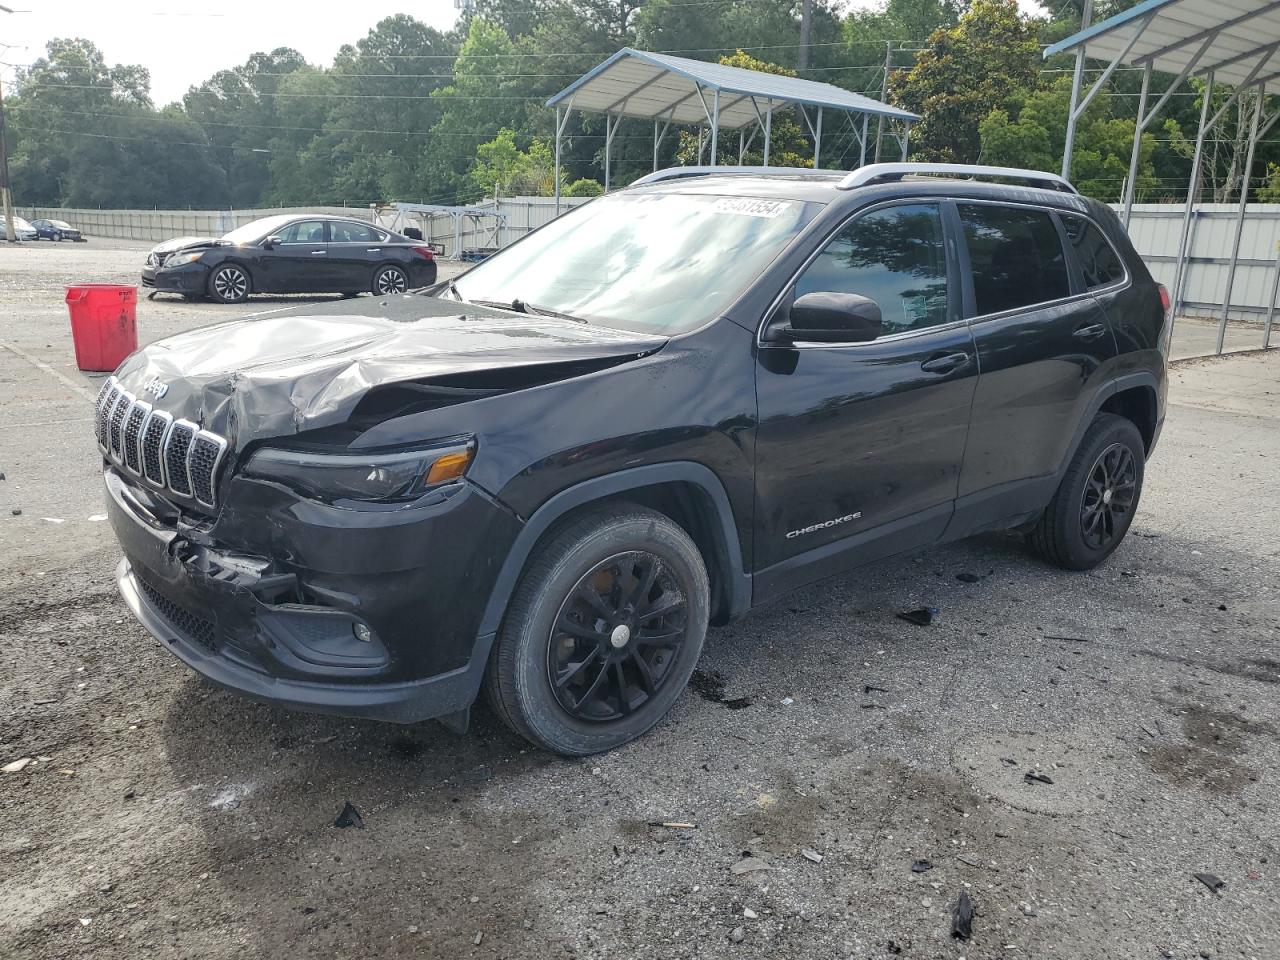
(806, 30)
(6, 197)
(884, 93)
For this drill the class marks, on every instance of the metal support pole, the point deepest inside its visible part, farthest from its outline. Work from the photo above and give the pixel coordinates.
(1193, 190)
(884, 94)
(715, 128)
(768, 131)
(1086, 19)
(1240, 213)
(742, 144)
(655, 145)
(862, 147)
(1271, 304)
(700, 132)
(1139, 126)
(608, 143)
(817, 142)
(906, 135)
(557, 188)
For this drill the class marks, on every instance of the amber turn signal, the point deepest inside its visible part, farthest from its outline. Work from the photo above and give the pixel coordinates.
(450, 466)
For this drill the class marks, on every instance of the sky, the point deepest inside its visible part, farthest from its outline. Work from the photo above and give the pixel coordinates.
(183, 44)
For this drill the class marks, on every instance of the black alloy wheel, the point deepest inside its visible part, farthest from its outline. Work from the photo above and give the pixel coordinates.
(1109, 495)
(616, 637)
(603, 631)
(390, 280)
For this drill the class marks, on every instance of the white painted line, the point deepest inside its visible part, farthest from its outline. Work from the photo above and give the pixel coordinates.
(79, 388)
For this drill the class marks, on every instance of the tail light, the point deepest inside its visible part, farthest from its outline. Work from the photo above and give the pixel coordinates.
(426, 253)
(1165, 300)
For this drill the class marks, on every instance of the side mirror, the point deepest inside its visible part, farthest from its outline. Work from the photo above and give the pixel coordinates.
(270, 242)
(832, 318)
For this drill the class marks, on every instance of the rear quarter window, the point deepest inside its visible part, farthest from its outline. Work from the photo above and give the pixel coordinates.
(1099, 262)
(1015, 255)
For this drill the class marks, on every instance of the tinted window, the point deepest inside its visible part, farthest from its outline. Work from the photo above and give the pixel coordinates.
(1098, 260)
(1016, 257)
(895, 256)
(340, 232)
(304, 231)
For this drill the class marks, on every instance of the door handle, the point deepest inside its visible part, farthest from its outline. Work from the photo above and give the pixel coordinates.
(945, 363)
(372, 249)
(1092, 332)
(319, 253)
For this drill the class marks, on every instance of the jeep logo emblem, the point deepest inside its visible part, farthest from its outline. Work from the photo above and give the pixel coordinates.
(156, 387)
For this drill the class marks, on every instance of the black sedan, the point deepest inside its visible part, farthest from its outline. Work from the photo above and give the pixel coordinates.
(56, 230)
(291, 254)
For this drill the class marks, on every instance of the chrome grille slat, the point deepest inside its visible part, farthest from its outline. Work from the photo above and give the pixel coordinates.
(174, 455)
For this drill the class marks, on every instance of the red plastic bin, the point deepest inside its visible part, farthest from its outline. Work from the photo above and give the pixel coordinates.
(104, 323)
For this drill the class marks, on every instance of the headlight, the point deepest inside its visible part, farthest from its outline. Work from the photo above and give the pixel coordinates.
(399, 476)
(178, 259)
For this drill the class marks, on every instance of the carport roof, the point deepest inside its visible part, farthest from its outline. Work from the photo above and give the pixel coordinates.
(1236, 39)
(636, 83)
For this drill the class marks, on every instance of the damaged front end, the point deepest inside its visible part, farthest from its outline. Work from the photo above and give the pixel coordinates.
(278, 558)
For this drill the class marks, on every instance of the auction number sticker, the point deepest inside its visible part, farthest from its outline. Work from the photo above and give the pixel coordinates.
(750, 207)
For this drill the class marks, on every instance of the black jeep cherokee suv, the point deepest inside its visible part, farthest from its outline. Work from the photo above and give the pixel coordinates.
(671, 404)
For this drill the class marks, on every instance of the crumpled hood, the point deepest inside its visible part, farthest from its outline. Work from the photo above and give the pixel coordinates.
(182, 243)
(282, 374)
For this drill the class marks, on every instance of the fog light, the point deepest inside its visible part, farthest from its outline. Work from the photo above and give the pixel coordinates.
(362, 632)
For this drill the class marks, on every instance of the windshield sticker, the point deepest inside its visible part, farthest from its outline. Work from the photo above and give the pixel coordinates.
(749, 207)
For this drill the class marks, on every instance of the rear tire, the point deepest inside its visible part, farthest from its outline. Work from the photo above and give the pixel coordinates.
(1096, 501)
(389, 280)
(229, 283)
(582, 663)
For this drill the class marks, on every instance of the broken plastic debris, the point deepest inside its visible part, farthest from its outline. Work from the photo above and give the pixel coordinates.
(787, 701)
(97, 517)
(1036, 777)
(749, 913)
(1209, 880)
(749, 865)
(920, 616)
(812, 855)
(673, 824)
(962, 917)
(920, 866)
(18, 765)
(349, 817)
(53, 520)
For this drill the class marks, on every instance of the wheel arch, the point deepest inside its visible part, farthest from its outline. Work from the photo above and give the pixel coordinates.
(1130, 396)
(234, 262)
(689, 493)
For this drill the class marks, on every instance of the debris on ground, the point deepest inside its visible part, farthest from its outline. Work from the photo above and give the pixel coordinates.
(868, 689)
(18, 765)
(1036, 777)
(710, 685)
(16, 511)
(1214, 883)
(749, 913)
(349, 817)
(921, 866)
(1067, 639)
(962, 917)
(749, 865)
(479, 938)
(812, 855)
(787, 701)
(737, 934)
(673, 824)
(920, 616)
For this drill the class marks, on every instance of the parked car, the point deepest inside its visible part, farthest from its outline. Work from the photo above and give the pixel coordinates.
(21, 228)
(56, 230)
(291, 254)
(672, 404)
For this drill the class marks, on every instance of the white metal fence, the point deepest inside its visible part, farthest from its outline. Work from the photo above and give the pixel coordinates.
(157, 225)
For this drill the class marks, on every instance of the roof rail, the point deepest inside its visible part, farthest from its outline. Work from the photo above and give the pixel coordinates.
(680, 173)
(886, 172)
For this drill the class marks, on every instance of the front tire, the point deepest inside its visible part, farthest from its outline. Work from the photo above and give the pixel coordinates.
(1096, 501)
(603, 632)
(229, 283)
(389, 280)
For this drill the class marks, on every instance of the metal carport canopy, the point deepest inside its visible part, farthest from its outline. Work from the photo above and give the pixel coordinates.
(654, 86)
(1238, 33)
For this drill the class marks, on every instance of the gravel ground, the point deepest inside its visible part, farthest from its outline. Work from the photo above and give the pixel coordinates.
(164, 818)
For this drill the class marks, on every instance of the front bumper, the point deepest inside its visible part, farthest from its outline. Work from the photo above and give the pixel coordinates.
(188, 278)
(281, 632)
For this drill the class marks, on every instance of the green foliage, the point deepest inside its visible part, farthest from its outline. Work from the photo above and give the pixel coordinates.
(584, 188)
(501, 169)
(984, 63)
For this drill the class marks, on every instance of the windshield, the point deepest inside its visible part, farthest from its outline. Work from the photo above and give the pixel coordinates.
(256, 230)
(654, 263)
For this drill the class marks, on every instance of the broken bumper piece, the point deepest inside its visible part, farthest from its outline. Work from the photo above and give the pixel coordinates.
(249, 624)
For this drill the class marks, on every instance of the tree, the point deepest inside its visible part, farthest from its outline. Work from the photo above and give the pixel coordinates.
(584, 188)
(502, 169)
(986, 62)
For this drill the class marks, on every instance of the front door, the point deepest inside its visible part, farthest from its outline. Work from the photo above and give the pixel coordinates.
(1043, 344)
(859, 446)
(298, 263)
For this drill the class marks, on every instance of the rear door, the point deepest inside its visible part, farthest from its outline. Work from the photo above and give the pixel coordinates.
(299, 262)
(859, 446)
(354, 248)
(1042, 340)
